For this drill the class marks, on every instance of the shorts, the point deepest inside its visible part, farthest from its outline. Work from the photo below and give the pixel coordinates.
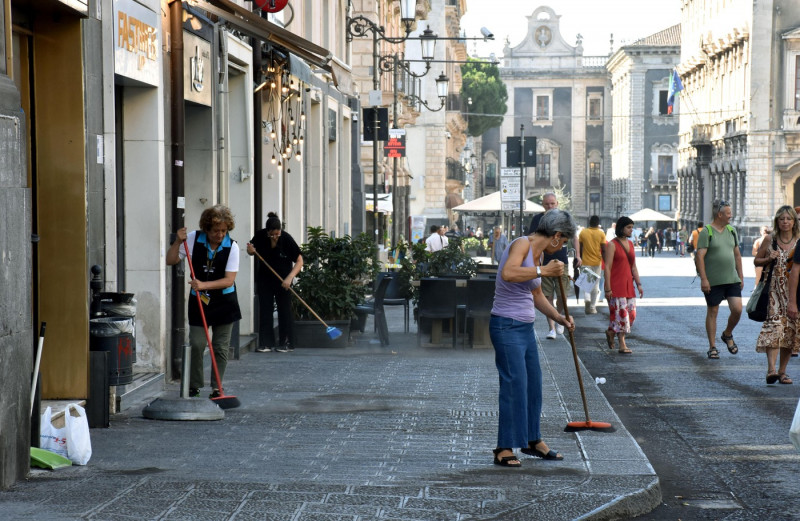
(550, 285)
(722, 292)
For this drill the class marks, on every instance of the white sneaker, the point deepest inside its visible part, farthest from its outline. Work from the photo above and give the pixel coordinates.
(552, 334)
(559, 329)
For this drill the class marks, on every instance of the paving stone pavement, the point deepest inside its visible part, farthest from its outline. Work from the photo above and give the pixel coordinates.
(360, 433)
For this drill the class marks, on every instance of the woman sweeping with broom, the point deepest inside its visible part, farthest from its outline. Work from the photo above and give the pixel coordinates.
(215, 262)
(517, 292)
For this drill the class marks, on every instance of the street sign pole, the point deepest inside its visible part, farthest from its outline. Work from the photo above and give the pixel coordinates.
(521, 177)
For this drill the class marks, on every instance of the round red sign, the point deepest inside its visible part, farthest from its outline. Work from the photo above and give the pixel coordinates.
(271, 6)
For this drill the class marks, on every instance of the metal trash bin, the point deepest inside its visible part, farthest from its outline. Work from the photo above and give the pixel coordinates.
(120, 305)
(114, 335)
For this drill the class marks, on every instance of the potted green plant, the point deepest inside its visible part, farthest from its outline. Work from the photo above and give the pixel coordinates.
(451, 261)
(337, 274)
(448, 262)
(471, 246)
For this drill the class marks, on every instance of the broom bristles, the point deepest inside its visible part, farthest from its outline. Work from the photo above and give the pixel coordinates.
(589, 426)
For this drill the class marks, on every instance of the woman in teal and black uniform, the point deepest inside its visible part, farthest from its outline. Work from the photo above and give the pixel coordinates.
(215, 259)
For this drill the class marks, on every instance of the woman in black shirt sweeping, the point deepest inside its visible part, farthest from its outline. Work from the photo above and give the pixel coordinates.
(282, 253)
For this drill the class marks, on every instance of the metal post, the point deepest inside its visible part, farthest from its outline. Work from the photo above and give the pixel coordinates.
(178, 134)
(521, 177)
(394, 161)
(375, 123)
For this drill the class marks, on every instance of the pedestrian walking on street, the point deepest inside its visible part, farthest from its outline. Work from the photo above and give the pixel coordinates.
(683, 238)
(653, 242)
(215, 258)
(550, 284)
(692, 246)
(620, 276)
(281, 252)
(498, 242)
(517, 293)
(593, 243)
(719, 265)
(437, 240)
(779, 332)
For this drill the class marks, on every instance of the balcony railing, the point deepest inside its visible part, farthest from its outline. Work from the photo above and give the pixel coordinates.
(455, 170)
(454, 102)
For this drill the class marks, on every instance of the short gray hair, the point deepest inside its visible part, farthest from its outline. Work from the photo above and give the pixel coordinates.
(718, 205)
(556, 220)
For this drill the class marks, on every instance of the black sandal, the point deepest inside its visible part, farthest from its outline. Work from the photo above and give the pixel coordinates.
(506, 461)
(531, 450)
(732, 347)
(713, 354)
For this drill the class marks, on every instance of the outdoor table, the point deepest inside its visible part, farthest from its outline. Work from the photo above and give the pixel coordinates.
(481, 326)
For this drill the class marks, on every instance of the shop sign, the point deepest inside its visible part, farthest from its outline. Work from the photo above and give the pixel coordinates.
(137, 42)
(396, 146)
(196, 69)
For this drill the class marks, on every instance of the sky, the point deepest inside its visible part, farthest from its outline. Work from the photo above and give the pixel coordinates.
(629, 20)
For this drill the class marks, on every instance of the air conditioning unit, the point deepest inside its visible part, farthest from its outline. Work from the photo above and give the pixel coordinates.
(672, 178)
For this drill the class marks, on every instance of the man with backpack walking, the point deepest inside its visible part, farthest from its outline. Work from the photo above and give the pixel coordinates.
(719, 266)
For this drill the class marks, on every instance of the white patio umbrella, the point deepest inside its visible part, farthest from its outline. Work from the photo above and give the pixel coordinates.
(646, 215)
(492, 203)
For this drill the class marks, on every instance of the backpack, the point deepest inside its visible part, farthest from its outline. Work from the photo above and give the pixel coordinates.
(729, 227)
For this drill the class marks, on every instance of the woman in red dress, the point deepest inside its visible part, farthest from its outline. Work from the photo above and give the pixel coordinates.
(620, 276)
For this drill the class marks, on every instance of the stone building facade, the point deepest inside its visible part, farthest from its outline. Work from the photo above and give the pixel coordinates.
(740, 115)
(560, 97)
(644, 150)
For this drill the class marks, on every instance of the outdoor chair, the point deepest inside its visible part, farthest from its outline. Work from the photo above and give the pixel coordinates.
(394, 297)
(437, 301)
(480, 299)
(374, 306)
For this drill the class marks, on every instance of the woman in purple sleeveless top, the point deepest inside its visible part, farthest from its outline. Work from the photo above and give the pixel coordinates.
(517, 292)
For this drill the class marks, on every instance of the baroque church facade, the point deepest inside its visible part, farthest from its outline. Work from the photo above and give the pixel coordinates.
(604, 134)
(599, 121)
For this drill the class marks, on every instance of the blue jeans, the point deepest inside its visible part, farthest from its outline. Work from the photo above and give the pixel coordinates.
(520, 397)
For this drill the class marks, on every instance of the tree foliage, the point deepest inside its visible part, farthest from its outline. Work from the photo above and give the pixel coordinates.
(563, 196)
(481, 82)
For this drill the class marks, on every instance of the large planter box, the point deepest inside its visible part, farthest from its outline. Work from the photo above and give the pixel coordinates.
(308, 333)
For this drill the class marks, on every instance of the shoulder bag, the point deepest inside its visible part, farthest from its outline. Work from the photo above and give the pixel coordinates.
(758, 304)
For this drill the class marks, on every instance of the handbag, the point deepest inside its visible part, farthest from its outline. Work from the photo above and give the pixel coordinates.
(79, 445)
(758, 304)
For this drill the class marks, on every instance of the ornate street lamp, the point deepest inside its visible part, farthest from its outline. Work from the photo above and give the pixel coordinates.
(428, 42)
(442, 83)
(357, 27)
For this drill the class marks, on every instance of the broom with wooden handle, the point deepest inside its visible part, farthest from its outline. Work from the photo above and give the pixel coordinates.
(333, 332)
(223, 400)
(588, 424)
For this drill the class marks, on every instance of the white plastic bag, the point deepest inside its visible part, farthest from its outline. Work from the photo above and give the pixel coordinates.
(794, 431)
(587, 280)
(52, 438)
(79, 445)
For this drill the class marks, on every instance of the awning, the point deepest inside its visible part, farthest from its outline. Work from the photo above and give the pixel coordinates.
(253, 25)
(384, 203)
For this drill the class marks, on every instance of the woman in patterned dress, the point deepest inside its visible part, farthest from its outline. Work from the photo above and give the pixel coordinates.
(620, 275)
(779, 333)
